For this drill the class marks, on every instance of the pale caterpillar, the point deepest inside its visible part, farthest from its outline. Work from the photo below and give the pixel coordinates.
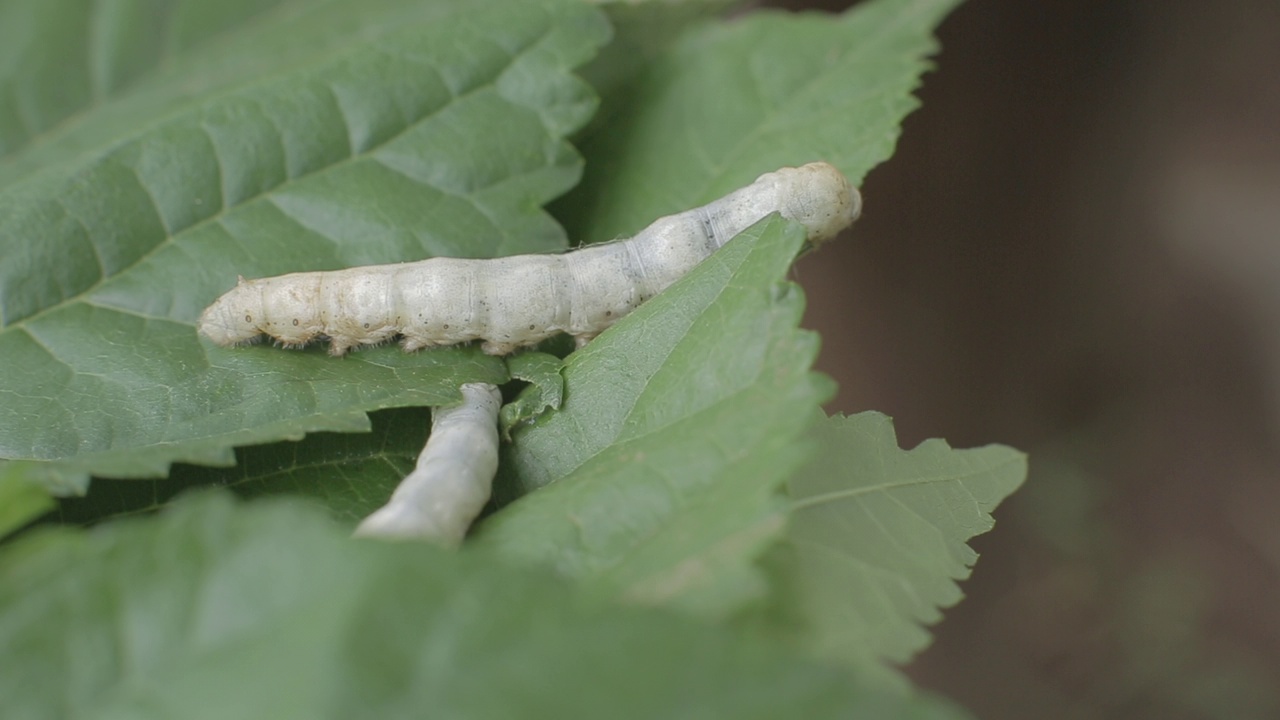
(453, 477)
(511, 302)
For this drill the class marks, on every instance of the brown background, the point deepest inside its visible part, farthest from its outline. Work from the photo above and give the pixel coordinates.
(1076, 251)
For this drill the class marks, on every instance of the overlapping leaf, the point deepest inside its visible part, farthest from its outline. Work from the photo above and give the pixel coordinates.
(877, 538)
(436, 128)
(211, 610)
(658, 477)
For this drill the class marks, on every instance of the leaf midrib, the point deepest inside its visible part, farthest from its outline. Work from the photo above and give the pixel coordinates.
(887, 486)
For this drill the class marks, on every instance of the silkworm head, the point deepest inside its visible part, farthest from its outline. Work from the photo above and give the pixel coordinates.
(232, 318)
(819, 197)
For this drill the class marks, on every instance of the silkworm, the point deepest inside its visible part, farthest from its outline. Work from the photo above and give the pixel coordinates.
(516, 301)
(453, 477)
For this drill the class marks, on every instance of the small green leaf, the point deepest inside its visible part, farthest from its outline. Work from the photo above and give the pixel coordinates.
(877, 537)
(546, 389)
(217, 610)
(658, 477)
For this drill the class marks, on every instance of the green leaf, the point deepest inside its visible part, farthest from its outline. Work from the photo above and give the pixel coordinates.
(877, 537)
(641, 32)
(732, 100)
(421, 129)
(213, 610)
(353, 474)
(545, 390)
(658, 478)
(60, 63)
(21, 500)
(78, 80)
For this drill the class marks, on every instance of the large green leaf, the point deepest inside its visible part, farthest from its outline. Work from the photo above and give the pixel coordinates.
(877, 537)
(213, 610)
(658, 477)
(732, 100)
(423, 129)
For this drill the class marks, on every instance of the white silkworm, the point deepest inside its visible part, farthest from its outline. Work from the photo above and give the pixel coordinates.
(453, 477)
(516, 301)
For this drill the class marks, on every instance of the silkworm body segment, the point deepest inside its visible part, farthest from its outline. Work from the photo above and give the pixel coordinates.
(520, 300)
(453, 477)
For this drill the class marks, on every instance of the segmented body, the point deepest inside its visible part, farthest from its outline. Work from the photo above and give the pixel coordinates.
(453, 477)
(520, 300)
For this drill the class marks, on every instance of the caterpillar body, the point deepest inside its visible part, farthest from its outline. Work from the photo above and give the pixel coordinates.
(453, 477)
(516, 301)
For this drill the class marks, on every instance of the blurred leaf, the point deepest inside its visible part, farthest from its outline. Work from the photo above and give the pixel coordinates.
(213, 610)
(876, 538)
(731, 100)
(433, 128)
(658, 478)
(642, 30)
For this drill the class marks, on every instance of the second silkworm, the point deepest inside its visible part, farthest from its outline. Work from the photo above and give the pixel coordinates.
(453, 477)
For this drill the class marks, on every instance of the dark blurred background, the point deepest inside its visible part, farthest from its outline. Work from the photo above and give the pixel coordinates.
(1076, 251)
